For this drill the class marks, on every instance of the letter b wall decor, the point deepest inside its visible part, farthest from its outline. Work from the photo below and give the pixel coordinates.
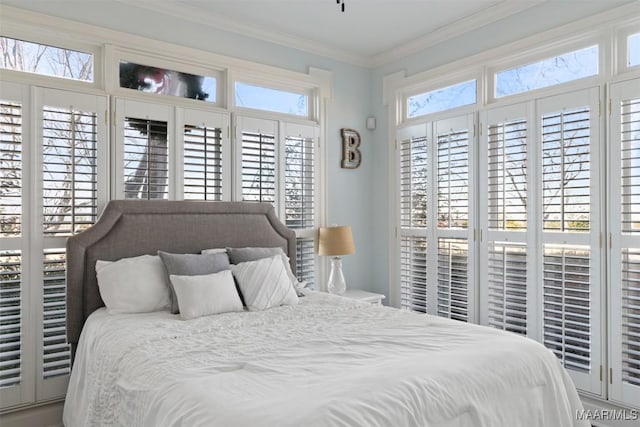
(351, 156)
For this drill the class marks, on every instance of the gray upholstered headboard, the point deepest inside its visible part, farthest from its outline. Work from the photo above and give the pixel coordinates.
(129, 228)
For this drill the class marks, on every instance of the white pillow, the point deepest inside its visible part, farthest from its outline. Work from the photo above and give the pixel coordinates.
(206, 294)
(264, 283)
(213, 251)
(133, 285)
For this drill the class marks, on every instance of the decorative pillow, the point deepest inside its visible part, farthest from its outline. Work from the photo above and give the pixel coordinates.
(264, 283)
(207, 294)
(190, 265)
(238, 255)
(133, 285)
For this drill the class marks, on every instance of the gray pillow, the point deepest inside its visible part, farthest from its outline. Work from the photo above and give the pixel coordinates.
(191, 265)
(239, 255)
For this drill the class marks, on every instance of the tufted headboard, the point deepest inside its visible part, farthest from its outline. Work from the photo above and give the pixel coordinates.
(130, 228)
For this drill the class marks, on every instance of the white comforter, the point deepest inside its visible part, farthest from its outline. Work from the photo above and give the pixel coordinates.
(328, 361)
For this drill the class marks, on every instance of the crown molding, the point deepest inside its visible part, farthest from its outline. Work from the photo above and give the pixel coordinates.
(499, 11)
(15, 22)
(472, 22)
(191, 14)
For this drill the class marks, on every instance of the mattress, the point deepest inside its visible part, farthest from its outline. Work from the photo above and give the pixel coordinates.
(328, 361)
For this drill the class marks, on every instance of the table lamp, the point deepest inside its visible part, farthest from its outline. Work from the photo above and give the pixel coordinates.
(335, 242)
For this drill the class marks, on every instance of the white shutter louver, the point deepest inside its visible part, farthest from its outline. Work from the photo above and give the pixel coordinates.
(569, 233)
(453, 179)
(146, 159)
(625, 241)
(453, 199)
(202, 163)
(11, 332)
(507, 286)
(630, 139)
(453, 279)
(10, 169)
(413, 170)
(57, 353)
(300, 196)
(69, 206)
(567, 305)
(69, 179)
(10, 318)
(507, 175)
(631, 317)
(413, 182)
(258, 167)
(299, 182)
(504, 257)
(566, 167)
(305, 261)
(413, 273)
(630, 159)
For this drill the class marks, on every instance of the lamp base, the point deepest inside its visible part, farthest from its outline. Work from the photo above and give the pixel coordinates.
(336, 284)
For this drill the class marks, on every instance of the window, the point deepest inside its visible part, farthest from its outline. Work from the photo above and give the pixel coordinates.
(633, 50)
(167, 82)
(435, 201)
(457, 95)
(69, 153)
(548, 294)
(268, 99)
(155, 164)
(505, 264)
(278, 164)
(47, 60)
(414, 185)
(625, 241)
(552, 71)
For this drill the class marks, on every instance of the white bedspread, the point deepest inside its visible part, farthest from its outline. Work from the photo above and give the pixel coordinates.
(328, 361)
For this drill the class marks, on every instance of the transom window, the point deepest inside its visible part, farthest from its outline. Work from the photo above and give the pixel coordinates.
(563, 68)
(442, 99)
(633, 50)
(162, 81)
(269, 99)
(20, 55)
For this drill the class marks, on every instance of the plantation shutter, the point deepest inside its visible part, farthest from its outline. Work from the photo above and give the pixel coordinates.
(625, 242)
(73, 189)
(258, 159)
(504, 260)
(15, 350)
(454, 227)
(413, 193)
(204, 155)
(144, 132)
(569, 134)
(278, 164)
(300, 143)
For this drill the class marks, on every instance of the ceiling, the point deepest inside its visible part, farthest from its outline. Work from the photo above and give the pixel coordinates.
(368, 32)
(368, 29)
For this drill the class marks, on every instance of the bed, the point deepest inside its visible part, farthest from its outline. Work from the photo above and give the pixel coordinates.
(324, 361)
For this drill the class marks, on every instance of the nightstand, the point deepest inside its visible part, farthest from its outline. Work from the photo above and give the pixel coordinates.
(370, 297)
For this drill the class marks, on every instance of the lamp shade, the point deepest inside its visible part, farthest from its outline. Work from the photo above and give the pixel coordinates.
(335, 241)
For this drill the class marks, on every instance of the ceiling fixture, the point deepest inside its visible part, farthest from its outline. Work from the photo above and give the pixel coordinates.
(341, 3)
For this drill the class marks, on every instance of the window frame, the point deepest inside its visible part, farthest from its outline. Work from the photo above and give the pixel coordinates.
(622, 35)
(279, 83)
(435, 84)
(541, 53)
(115, 55)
